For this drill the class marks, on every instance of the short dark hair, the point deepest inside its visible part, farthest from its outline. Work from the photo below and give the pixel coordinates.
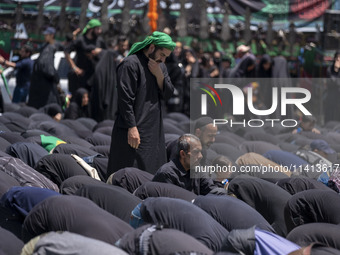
(308, 118)
(121, 38)
(183, 143)
(28, 49)
(156, 47)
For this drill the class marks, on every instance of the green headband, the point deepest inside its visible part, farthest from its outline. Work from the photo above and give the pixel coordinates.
(157, 38)
(91, 24)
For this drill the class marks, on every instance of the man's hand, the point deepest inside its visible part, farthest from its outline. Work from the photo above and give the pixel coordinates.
(1, 59)
(156, 70)
(133, 137)
(78, 71)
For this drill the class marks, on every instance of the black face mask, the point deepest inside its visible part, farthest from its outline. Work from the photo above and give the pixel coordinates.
(217, 61)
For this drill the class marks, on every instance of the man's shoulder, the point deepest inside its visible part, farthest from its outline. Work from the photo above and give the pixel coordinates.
(130, 60)
(167, 167)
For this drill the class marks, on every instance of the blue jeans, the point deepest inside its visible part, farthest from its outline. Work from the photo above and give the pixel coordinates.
(20, 94)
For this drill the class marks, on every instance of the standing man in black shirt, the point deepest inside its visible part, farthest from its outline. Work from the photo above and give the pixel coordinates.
(138, 134)
(82, 66)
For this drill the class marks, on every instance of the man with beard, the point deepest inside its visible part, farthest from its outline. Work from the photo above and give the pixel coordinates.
(138, 135)
(82, 66)
(181, 171)
(206, 131)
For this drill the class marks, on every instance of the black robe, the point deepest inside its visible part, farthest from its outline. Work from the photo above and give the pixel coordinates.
(81, 151)
(159, 242)
(44, 80)
(184, 216)
(115, 200)
(139, 104)
(312, 206)
(29, 153)
(232, 213)
(325, 233)
(75, 214)
(298, 184)
(59, 167)
(103, 97)
(130, 178)
(160, 189)
(71, 185)
(9, 243)
(265, 197)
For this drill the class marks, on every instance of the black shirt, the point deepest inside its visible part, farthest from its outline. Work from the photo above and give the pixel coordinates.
(174, 173)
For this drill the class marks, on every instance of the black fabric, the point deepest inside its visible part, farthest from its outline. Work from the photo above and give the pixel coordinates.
(115, 200)
(26, 111)
(15, 121)
(40, 117)
(80, 129)
(312, 206)
(12, 137)
(232, 213)
(9, 243)
(81, 45)
(11, 220)
(130, 178)
(74, 214)
(29, 153)
(159, 242)
(102, 149)
(159, 189)
(51, 109)
(189, 219)
(227, 150)
(44, 79)
(265, 137)
(139, 101)
(105, 130)
(174, 173)
(72, 184)
(75, 140)
(104, 123)
(69, 149)
(169, 128)
(98, 139)
(324, 233)
(87, 122)
(6, 182)
(56, 129)
(100, 164)
(177, 116)
(4, 144)
(25, 174)
(103, 98)
(59, 167)
(257, 147)
(34, 132)
(255, 192)
(240, 70)
(298, 184)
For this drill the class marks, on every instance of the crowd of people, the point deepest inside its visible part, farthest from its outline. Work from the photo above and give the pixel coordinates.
(122, 169)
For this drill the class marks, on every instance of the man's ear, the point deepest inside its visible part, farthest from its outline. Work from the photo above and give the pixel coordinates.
(181, 154)
(151, 48)
(197, 132)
